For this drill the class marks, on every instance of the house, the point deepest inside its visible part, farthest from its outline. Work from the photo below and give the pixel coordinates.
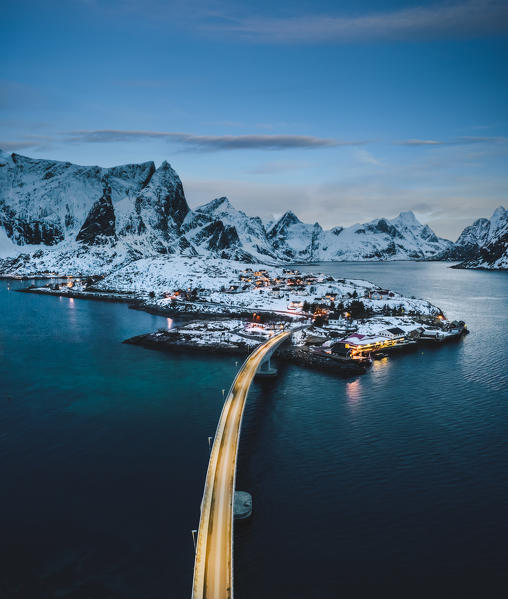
(295, 305)
(394, 333)
(357, 344)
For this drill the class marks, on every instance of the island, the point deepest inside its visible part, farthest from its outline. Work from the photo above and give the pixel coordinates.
(228, 307)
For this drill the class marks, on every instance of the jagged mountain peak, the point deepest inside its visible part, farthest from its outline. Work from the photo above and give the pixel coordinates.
(221, 203)
(166, 167)
(138, 210)
(289, 218)
(499, 211)
(241, 236)
(407, 218)
(484, 244)
(47, 201)
(165, 172)
(498, 219)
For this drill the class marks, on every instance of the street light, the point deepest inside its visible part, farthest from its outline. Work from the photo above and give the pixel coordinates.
(210, 443)
(223, 391)
(193, 532)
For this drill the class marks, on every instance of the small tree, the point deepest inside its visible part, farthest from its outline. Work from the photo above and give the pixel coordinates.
(320, 320)
(357, 309)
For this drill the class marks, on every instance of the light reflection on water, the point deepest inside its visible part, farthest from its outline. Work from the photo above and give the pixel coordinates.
(354, 392)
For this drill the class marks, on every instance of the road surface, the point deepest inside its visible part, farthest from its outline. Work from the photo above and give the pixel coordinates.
(213, 567)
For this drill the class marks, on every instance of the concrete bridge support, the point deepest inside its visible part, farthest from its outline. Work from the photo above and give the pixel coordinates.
(266, 369)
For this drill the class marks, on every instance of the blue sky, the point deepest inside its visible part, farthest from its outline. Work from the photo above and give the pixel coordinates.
(340, 111)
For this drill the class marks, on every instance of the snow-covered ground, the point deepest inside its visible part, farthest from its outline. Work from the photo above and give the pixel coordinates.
(213, 279)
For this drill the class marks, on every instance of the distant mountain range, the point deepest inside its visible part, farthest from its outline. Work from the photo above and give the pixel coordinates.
(484, 244)
(60, 215)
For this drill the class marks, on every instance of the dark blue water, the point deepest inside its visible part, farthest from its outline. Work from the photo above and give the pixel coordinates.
(394, 483)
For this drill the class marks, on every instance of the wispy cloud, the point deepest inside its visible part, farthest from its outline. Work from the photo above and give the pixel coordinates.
(244, 21)
(14, 146)
(365, 157)
(472, 18)
(211, 142)
(457, 141)
(33, 142)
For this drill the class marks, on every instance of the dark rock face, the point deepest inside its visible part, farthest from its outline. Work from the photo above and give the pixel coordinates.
(159, 211)
(163, 200)
(429, 235)
(99, 226)
(484, 244)
(32, 231)
(384, 226)
(220, 236)
(280, 228)
(47, 201)
(495, 250)
(144, 211)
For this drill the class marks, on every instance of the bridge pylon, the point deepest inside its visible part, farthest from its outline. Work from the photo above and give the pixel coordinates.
(266, 369)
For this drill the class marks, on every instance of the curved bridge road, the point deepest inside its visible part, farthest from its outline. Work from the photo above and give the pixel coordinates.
(213, 566)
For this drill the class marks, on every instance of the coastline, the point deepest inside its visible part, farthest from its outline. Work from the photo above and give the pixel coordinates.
(161, 341)
(143, 303)
(242, 345)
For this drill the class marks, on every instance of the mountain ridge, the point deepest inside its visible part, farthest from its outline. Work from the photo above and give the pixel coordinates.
(140, 210)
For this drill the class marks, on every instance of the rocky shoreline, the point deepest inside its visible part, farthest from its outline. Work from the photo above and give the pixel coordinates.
(121, 298)
(167, 341)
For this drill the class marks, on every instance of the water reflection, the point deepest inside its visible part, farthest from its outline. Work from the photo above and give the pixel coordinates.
(381, 367)
(170, 323)
(354, 392)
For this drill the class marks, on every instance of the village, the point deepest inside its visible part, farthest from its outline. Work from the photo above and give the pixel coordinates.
(349, 323)
(345, 324)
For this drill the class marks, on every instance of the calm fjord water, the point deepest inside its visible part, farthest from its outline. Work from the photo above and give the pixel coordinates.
(394, 482)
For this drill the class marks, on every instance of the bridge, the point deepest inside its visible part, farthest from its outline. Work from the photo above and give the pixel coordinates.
(213, 566)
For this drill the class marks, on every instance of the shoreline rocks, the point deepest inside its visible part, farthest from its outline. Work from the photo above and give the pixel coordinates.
(166, 341)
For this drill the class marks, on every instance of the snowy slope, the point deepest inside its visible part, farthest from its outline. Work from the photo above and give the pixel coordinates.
(152, 220)
(403, 238)
(218, 228)
(484, 244)
(170, 273)
(70, 218)
(294, 240)
(46, 201)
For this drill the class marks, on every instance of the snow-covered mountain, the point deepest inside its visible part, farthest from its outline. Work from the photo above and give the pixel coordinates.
(402, 238)
(219, 228)
(484, 244)
(66, 215)
(46, 201)
(56, 216)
